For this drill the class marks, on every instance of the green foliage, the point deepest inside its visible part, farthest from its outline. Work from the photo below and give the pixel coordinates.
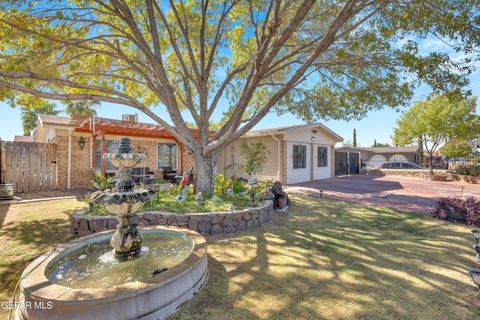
(100, 182)
(438, 120)
(468, 170)
(30, 116)
(81, 109)
(222, 183)
(255, 155)
(456, 149)
(379, 144)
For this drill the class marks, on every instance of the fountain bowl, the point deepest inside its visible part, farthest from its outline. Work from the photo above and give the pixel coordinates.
(153, 297)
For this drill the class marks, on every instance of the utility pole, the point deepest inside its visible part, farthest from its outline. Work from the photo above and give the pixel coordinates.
(354, 138)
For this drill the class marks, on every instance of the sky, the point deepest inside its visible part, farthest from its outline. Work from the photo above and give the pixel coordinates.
(377, 125)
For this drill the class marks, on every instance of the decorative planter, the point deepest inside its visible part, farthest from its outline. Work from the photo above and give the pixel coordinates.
(6, 191)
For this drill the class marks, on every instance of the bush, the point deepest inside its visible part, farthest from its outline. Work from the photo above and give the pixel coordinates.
(222, 183)
(100, 182)
(468, 170)
(467, 208)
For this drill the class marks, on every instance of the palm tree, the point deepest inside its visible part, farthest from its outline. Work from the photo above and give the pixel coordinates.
(81, 110)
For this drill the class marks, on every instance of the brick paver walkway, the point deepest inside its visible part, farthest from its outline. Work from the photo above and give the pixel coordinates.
(406, 194)
(47, 195)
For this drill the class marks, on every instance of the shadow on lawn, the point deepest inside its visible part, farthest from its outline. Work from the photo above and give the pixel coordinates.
(42, 233)
(3, 213)
(334, 261)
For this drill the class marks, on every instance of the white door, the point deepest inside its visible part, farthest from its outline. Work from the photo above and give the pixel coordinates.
(322, 162)
(298, 162)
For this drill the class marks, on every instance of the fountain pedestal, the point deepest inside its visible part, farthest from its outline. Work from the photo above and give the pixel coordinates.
(125, 201)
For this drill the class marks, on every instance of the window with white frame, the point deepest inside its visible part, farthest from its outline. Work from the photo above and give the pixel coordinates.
(167, 155)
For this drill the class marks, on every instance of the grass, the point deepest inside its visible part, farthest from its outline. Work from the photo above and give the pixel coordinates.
(326, 260)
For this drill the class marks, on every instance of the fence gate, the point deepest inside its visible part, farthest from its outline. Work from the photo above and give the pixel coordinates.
(30, 166)
(346, 163)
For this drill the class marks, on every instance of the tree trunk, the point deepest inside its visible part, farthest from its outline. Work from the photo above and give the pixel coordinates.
(205, 174)
(431, 165)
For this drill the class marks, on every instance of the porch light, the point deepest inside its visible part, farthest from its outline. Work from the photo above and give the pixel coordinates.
(81, 143)
(475, 274)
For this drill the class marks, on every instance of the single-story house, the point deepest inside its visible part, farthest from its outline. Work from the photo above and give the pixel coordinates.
(297, 153)
(374, 157)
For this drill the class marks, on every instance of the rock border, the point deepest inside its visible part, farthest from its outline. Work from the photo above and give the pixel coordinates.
(438, 175)
(205, 223)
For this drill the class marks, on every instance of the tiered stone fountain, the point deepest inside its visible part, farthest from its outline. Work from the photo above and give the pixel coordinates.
(125, 201)
(148, 274)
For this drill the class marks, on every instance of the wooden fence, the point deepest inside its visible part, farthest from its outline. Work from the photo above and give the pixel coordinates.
(30, 166)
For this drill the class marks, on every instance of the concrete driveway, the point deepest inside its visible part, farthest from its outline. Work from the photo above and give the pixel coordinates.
(406, 194)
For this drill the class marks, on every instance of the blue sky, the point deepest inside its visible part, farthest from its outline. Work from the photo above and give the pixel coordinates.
(376, 125)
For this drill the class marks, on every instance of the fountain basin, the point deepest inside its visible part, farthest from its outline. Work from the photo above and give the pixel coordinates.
(141, 296)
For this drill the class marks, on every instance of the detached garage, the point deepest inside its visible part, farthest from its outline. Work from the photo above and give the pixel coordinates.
(297, 153)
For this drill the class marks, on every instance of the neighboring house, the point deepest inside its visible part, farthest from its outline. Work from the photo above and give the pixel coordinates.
(23, 139)
(297, 153)
(375, 157)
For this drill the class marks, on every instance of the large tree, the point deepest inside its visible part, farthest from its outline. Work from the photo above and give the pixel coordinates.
(240, 58)
(438, 121)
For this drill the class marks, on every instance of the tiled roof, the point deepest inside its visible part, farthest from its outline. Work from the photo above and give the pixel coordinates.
(292, 128)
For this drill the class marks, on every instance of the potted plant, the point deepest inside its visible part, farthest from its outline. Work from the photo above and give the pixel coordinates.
(6, 189)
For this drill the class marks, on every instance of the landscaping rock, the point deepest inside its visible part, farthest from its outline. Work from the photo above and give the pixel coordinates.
(205, 223)
(204, 227)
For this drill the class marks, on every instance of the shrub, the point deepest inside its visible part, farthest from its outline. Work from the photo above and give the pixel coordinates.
(468, 170)
(101, 182)
(221, 184)
(468, 208)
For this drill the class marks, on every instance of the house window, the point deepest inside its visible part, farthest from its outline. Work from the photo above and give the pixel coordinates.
(111, 146)
(299, 156)
(322, 156)
(167, 155)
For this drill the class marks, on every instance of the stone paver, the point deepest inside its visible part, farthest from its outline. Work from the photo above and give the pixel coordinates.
(46, 195)
(402, 193)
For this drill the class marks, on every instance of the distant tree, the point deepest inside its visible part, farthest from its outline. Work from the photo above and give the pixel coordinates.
(437, 121)
(456, 149)
(347, 143)
(255, 155)
(81, 109)
(354, 137)
(379, 144)
(30, 116)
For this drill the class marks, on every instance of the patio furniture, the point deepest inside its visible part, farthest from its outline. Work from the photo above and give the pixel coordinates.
(169, 174)
(142, 174)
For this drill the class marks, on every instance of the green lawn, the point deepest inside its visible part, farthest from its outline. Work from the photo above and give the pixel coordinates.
(326, 260)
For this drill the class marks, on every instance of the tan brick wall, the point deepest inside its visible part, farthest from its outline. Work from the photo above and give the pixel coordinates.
(80, 168)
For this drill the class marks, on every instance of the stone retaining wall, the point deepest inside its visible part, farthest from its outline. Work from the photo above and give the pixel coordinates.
(438, 175)
(204, 223)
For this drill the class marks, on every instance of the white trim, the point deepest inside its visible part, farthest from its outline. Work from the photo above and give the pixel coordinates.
(69, 161)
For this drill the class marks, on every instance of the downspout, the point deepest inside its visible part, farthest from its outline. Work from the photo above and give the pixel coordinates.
(279, 155)
(69, 160)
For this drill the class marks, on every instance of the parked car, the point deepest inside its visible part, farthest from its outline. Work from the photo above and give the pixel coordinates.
(400, 165)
